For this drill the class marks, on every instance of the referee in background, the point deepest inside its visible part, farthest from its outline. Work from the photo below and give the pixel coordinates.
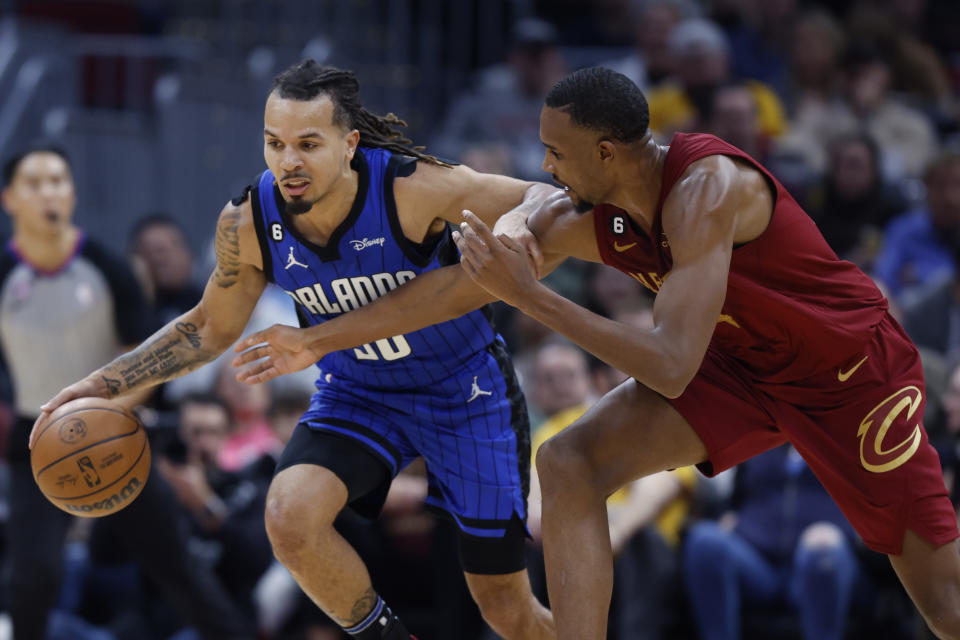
(66, 307)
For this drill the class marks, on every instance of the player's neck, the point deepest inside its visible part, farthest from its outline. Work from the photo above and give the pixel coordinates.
(318, 224)
(638, 189)
(46, 251)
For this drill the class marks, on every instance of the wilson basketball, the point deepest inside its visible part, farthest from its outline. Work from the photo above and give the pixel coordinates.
(91, 457)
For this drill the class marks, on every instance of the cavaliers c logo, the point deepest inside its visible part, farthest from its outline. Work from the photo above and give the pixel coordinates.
(873, 456)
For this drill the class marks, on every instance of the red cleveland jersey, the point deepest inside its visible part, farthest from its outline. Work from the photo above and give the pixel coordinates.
(792, 307)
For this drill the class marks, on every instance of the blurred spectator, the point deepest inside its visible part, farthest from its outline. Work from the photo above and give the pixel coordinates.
(161, 244)
(638, 312)
(503, 109)
(853, 203)
(225, 508)
(608, 290)
(286, 408)
(917, 72)
(785, 541)
(561, 385)
(651, 62)
(816, 48)
(702, 58)
(759, 35)
(816, 45)
(948, 444)
(250, 435)
(931, 314)
(916, 247)
(733, 117)
(905, 135)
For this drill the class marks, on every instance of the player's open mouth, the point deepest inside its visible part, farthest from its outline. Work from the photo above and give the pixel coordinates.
(296, 187)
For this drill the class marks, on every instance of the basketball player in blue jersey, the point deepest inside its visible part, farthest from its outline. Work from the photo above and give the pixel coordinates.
(345, 213)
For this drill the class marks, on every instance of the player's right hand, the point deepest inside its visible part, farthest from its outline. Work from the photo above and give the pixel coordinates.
(273, 352)
(86, 388)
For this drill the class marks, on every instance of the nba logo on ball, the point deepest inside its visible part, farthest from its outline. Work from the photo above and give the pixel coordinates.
(88, 471)
(91, 457)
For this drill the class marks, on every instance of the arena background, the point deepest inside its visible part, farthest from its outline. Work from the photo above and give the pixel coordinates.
(160, 103)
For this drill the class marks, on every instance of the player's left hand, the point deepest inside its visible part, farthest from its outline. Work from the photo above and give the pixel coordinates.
(513, 225)
(273, 352)
(499, 265)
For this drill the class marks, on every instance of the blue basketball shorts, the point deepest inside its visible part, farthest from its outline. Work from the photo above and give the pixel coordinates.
(472, 430)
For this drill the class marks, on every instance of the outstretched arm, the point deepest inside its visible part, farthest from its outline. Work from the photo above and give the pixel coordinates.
(189, 341)
(434, 297)
(701, 219)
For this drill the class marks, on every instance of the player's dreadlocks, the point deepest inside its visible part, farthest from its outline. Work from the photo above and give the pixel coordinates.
(308, 79)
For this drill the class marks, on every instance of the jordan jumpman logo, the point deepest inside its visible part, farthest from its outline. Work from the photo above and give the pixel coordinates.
(476, 391)
(292, 260)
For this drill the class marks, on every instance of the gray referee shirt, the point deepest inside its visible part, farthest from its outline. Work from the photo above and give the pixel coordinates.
(58, 326)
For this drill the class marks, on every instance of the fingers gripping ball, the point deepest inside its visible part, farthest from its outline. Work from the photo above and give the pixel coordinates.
(91, 457)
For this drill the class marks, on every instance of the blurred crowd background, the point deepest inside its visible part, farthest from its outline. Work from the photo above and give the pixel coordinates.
(853, 105)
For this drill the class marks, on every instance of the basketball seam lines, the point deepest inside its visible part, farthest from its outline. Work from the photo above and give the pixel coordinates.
(67, 415)
(73, 453)
(107, 486)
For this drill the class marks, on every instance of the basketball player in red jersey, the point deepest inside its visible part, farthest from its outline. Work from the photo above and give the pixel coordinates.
(762, 335)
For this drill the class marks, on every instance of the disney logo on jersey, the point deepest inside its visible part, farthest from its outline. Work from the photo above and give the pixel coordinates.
(360, 245)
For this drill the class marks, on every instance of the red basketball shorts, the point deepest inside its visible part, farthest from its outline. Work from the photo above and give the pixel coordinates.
(858, 427)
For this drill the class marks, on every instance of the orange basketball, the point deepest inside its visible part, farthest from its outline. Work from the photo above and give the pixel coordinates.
(91, 457)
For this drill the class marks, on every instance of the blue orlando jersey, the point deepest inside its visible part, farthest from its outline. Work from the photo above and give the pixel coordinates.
(365, 257)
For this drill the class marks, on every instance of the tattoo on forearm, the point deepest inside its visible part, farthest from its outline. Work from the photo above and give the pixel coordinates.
(227, 247)
(361, 609)
(172, 351)
(189, 331)
(113, 385)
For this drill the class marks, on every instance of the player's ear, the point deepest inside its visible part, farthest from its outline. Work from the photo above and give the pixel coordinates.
(606, 150)
(353, 139)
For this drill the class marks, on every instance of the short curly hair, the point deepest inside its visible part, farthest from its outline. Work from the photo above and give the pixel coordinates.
(603, 100)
